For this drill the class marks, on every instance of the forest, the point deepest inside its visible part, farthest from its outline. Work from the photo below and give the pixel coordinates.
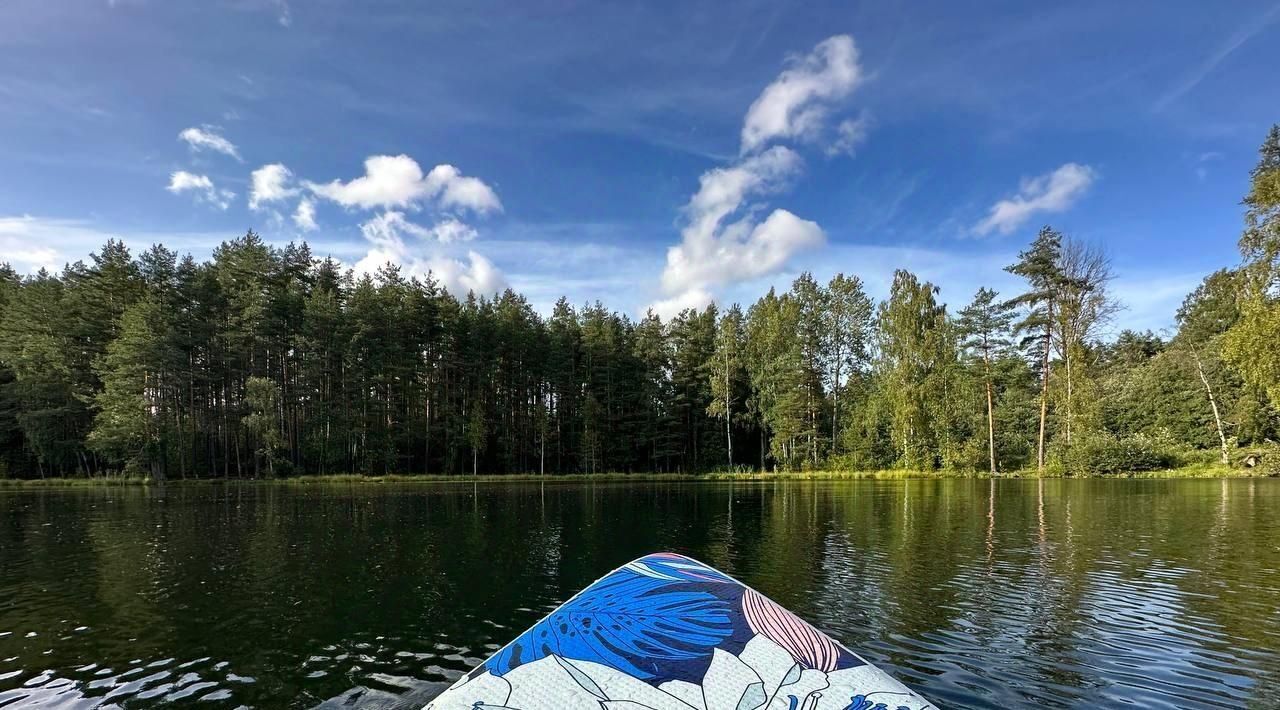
(268, 362)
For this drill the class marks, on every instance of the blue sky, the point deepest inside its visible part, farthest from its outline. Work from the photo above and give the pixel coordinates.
(643, 154)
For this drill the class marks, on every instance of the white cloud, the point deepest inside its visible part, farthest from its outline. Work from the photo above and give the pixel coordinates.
(1052, 192)
(182, 181)
(397, 181)
(668, 308)
(1202, 163)
(270, 183)
(283, 15)
(850, 134)
(455, 190)
(451, 230)
(797, 102)
(25, 243)
(29, 243)
(712, 252)
(305, 216)
(477, 275)
(386, 233)
(205, 191)
(390, 227)
(207, 138)
(1247, 31)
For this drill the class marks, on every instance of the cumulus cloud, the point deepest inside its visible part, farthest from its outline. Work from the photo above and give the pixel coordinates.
(387, 233)
(695, 298)
(392, 225)
(477, 275)
(392, 187)
(450, 230)
(796, 104)
(270, 183)
(305, 216)
(202, 187)
(722, 241)
(207, 138)
(1052, 192)
(397, 181)
(713, 252)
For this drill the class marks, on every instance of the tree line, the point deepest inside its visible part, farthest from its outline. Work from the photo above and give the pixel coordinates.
(267, 362)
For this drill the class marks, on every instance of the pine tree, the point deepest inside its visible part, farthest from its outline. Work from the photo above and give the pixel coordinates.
(262, 400)
(1039, 265)
(984, 330)
(131, 424)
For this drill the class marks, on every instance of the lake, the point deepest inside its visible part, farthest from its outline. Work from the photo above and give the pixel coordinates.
(1057, 593)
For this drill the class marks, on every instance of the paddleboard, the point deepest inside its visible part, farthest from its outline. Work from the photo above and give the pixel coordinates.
(666, 632)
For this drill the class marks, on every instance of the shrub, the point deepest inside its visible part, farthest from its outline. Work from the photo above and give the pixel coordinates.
(1108, 454)
(1263, 459)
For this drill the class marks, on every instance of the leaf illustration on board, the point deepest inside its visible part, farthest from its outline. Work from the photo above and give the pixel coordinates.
(676, 568)
(627, 621)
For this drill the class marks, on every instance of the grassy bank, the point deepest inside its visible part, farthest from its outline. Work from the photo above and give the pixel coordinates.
(1198, 470)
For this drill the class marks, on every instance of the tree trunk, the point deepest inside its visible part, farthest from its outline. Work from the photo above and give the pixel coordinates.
(1213, 404)
(1044, 393)
(728, 413)
(991, 420)
(835, 406)
(1066, 357)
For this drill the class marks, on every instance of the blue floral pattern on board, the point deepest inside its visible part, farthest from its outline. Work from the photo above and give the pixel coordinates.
(668, 632)
(635, 623)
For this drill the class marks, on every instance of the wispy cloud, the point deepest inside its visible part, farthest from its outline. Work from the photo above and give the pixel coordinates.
(202, 187)
(723, 241)
(1052, 192)
(796, 104)
(1202, 163)
(208, 138)
(283, 15)
(1192, 79)
(30, 242)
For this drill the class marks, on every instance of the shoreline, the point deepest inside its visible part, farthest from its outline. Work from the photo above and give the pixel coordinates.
(1199, 471)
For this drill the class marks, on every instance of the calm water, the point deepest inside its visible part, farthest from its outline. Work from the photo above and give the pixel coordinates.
(976, 593)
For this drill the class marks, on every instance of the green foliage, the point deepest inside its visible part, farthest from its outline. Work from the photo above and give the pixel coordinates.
(984, 329)
(728, 375)
(1261, 460)
(1103, 453)
(1250, 343)
(917, 353)
(265, 361)
(262, 397)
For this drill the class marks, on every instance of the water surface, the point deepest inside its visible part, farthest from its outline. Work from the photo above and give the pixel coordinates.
(976, 593)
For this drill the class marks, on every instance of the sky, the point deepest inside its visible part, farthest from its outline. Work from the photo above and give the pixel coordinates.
(649, 155)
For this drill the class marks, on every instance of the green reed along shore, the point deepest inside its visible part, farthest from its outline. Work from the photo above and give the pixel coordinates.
(1198, 470)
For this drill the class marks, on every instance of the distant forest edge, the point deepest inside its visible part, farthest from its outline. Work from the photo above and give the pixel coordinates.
(267, 362)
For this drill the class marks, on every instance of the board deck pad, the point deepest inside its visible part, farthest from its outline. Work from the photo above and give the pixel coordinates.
(666, 632)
